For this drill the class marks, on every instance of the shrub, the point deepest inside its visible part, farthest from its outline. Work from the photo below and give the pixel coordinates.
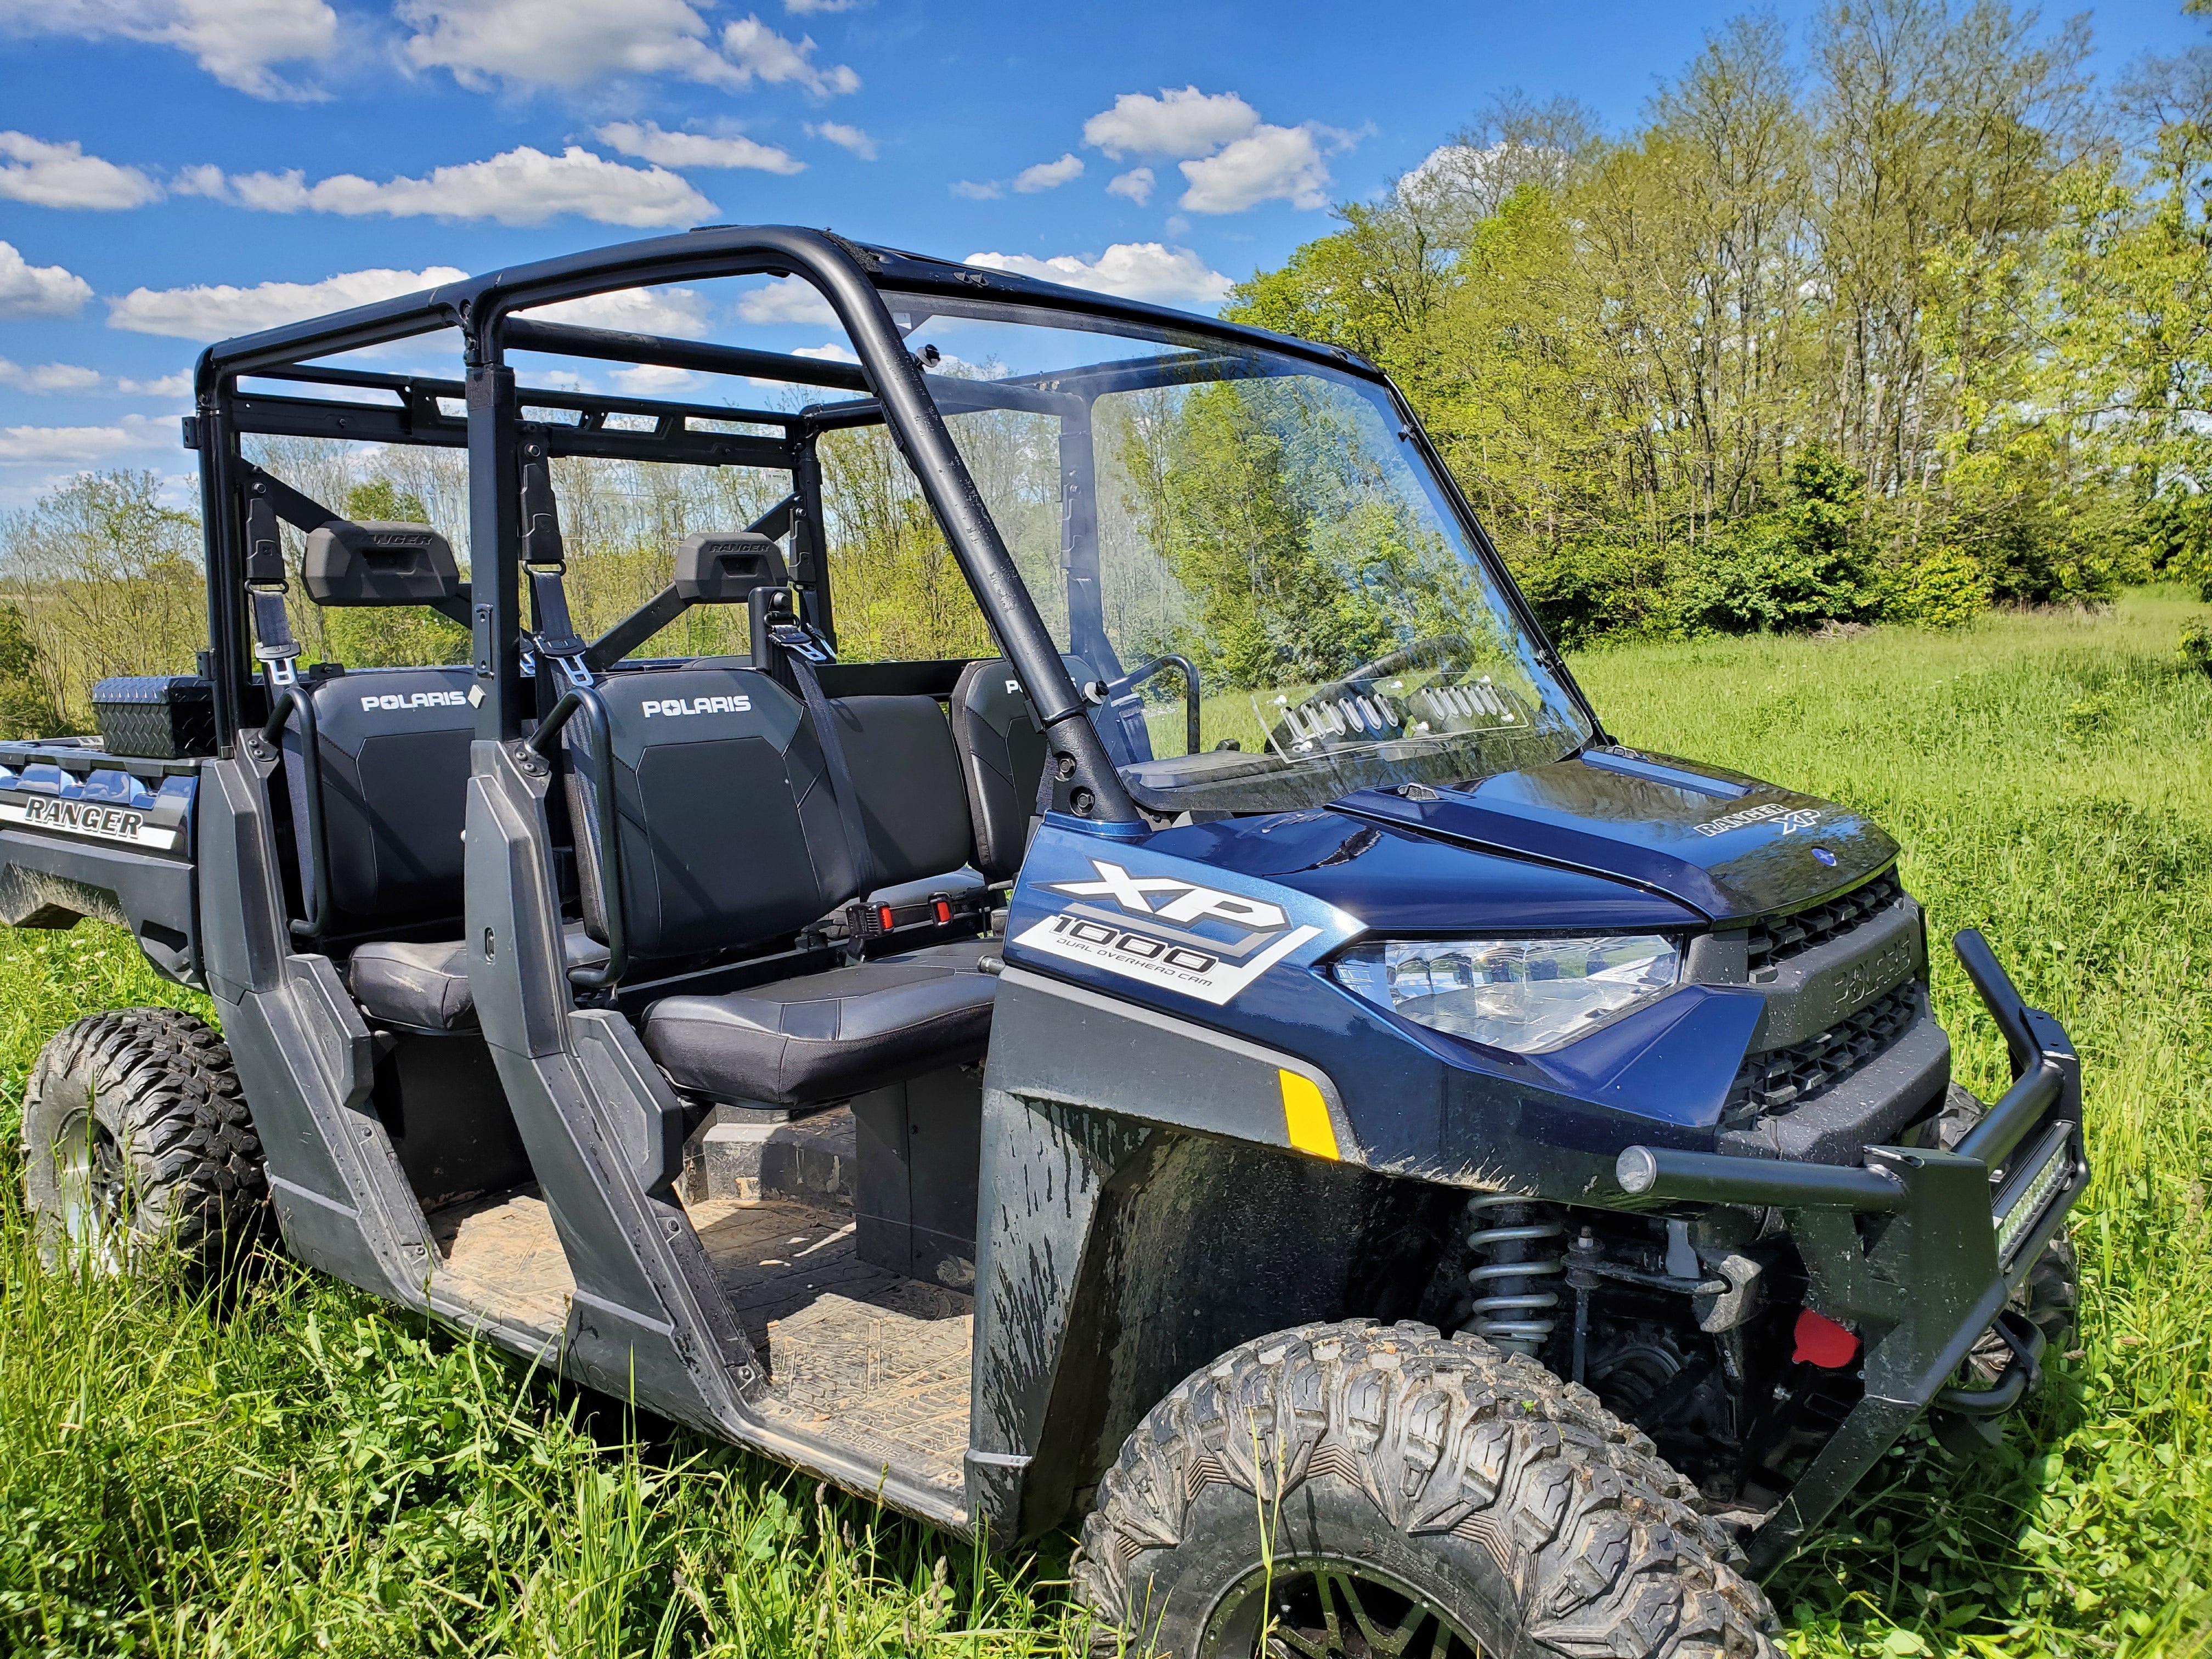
(2196, 646)
(1948, 588)
(1593, 589)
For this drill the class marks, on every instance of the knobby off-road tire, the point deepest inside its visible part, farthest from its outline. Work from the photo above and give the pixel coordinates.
(137, 1141)
(1428, 1496)
(2051, 1295)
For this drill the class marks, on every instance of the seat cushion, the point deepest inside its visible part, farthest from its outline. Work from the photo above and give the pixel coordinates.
(830, 1036)
(425, 987)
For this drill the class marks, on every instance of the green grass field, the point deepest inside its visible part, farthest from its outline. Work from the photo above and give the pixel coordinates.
(305, 1472)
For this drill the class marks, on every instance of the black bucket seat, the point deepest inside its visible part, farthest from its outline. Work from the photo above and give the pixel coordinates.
(378, 799)
(728, 832)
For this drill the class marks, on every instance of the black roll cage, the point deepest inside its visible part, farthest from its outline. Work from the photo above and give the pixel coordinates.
(496, 410)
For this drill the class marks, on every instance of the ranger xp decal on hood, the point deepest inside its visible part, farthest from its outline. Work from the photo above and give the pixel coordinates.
(1162, 921)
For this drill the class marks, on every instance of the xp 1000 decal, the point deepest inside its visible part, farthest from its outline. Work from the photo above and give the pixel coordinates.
(1163, 920)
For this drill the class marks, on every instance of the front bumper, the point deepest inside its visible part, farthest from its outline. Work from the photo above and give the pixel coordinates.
(1917, 1249)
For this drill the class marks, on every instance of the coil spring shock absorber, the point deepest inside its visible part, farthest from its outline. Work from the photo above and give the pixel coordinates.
(1512, 1308)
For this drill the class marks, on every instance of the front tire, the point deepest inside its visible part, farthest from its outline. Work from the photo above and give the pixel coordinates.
(1421, 1495)
(136, 1143)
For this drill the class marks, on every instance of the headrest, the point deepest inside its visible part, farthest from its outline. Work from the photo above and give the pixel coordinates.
(378, 562)
(722, 566)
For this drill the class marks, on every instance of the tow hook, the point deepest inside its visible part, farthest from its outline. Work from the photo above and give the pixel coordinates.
(1967, 1420)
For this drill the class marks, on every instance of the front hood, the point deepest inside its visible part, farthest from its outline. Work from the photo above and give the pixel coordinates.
(1727, 845)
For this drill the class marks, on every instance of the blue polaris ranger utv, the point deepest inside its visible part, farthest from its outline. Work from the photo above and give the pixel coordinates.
(1236, 1060)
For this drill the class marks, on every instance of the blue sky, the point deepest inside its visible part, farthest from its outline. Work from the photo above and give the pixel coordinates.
(172, 171)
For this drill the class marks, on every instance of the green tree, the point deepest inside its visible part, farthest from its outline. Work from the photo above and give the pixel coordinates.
(26, 702)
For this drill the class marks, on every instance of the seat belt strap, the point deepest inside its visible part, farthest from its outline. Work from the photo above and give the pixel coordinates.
(274, 647)
(802, 657)
(545, 557)
(556, 639)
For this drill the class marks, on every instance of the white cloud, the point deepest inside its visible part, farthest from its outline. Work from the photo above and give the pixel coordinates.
(1185, 122)
(1135, 271)
(204, 179)
(49, 377)
(63, 176)
(49, 446)
(845, 137)
(787, 300)
(1446, 168)
(677, 311)
(655, 379)
(1273, 164)
(985, 192)
(830, 353)
(234, 40)
(578, 42)
(1136, 186)
(759, 49)
(648, 142)
(524, 186)
(74, 377)
(569, 45)
(1049, 175)
(218, 310)
(29, 290)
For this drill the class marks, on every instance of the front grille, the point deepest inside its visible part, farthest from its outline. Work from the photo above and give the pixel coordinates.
(1784, 1077)
(1777, 941)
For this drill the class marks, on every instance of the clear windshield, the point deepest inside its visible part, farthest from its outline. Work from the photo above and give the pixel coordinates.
(1264, 520)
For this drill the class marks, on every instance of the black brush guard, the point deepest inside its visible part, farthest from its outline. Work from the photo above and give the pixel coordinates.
(1951, 1235)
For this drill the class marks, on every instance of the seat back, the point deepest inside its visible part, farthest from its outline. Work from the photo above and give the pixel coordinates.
(729, 834)
(906, 775)
(1001, 757)
(728, 831)
(392, 748)
(392, 745)
(1001, 751)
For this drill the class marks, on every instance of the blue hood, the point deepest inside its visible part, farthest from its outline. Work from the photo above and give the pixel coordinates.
(1728, 846)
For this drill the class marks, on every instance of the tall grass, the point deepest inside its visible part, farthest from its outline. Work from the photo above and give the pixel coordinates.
(2051, 778)
(304, 1470)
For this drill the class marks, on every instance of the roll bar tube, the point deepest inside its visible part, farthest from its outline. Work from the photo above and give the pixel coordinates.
(1094, 787)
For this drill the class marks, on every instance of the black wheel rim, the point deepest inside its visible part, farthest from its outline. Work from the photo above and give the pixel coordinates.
(1310, 1609)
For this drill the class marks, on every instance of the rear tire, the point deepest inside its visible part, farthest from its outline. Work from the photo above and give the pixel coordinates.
(1426, 1495)
(136, 1144)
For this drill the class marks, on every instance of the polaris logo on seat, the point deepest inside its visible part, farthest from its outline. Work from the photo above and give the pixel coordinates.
(396, 700)
(666, 706)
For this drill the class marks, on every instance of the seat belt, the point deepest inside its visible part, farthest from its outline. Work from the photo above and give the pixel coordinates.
(545, 558)
(267, 500)
(804, 650)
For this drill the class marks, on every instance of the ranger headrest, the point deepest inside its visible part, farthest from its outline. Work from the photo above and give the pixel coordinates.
(722, 566)
(379, 561)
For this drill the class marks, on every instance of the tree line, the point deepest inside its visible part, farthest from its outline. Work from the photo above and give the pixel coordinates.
(101, 577)
(1903, 324)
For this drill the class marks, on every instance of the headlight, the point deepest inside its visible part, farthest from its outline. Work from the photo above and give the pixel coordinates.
(1525, 994)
